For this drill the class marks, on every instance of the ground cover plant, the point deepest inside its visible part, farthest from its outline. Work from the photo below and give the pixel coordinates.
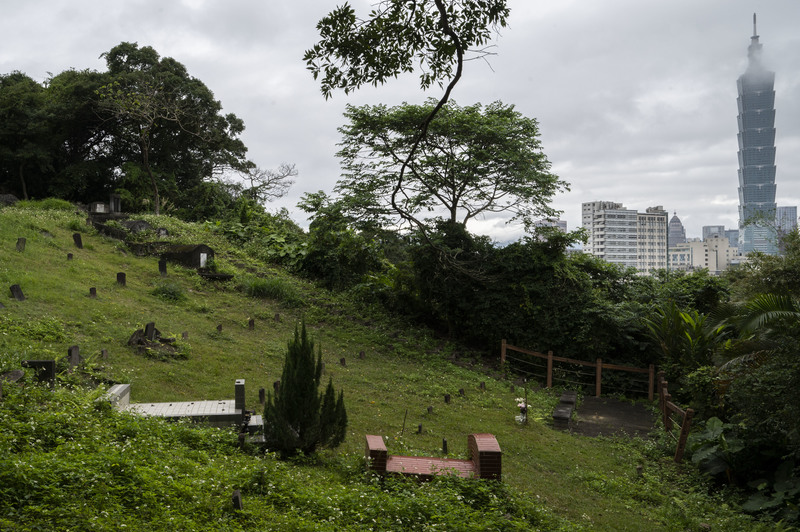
(68, 461)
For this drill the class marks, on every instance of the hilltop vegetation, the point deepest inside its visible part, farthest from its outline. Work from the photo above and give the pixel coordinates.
(70, 462)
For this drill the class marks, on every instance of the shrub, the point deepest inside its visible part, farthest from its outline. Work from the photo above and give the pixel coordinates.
(271, 288)
(169, 291)
(298, 418)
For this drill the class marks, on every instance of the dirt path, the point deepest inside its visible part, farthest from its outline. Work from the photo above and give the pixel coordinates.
(605, 416)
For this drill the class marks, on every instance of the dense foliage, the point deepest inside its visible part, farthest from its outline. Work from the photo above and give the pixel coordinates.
(144, 129)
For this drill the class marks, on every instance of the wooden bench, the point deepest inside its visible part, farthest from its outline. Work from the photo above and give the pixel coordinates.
(562, 413)
(485, 460)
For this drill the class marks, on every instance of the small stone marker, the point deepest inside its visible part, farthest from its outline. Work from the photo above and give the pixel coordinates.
(76, 237)
(150, 331)
(447, 398)
(362, 355)
(185, 335)
(162, 267)
(276, 386)
(74, 354)
(461, 392)
(237, 500)
(343, 361)
(419, 428)
(16, 292)
(251, 324)
(121, 279)
(219, 328)
(45, 370)
(21, 244)
(93, 292)
(277, 317)
(483, 385)
(262, 395)
(69, 256)
(430, 410)
(444, 445)
(104, 354)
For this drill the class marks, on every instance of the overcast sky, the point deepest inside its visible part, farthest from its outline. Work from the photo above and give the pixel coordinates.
(636, 101)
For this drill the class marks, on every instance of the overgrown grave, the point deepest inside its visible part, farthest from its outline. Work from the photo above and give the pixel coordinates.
(150, 342)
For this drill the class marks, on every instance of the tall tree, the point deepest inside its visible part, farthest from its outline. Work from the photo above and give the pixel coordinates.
(170, 121)
(474, 160)
(24, 152)
(435, 35)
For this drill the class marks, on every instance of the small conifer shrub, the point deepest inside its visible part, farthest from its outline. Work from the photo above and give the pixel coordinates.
(298, 418)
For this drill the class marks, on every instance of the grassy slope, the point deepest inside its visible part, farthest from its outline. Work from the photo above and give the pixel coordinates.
(587, 481)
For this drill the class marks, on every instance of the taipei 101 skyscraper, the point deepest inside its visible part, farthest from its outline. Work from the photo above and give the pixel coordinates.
(756, 119)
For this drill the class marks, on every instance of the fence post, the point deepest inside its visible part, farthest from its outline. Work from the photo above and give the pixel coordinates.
(685, 426)
(651, 375)
(598, 377)
(503, 352)
(549, 369)
(667, 418)
(660, 384)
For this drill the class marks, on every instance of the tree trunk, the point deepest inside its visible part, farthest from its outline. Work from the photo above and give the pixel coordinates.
(156, 198)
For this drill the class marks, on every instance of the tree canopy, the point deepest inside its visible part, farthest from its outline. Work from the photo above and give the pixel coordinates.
(474, 160)
(396, 36)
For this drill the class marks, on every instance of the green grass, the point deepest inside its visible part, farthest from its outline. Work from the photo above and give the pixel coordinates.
(585, 482)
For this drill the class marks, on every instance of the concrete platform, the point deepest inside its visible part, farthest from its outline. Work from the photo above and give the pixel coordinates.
(215, 413)
(422, 466)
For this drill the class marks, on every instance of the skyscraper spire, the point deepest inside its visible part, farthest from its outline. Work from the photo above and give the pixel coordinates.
(756, 104)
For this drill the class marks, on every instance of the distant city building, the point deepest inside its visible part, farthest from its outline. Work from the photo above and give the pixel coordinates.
(711, 230)
(756, 104)
(677, 233)
(714, 254)
(626, 237)
(561, 225)
(733, 237)
(652, 239)
(785, 219)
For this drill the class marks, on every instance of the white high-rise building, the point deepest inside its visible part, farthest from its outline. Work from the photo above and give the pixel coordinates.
(714, 254)
(626, 237)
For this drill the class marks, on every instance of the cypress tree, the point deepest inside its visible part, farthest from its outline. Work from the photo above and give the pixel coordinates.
(298, 417)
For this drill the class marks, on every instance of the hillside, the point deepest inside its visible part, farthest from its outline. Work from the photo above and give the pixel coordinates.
(551, 479)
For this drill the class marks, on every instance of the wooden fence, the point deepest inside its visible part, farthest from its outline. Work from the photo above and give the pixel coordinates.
(668, 411)
(598, 365)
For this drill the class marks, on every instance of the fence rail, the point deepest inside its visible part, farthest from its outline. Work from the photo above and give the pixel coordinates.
(598, 365)
(668, 408)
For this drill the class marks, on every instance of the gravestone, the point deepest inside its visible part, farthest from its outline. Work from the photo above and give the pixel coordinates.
(419, 428)
(74, 356)
(76, 237)
(162, 267)
(447, 398)
(21, 244)
(185, 335)
(430, 409)
(251, 324)
(161, 232)
(121, 279)
(104, 354)
(461, 392)
(150, 331)
(444, 445)
(362, 355)
(237, 500)
(93, 292)
(16, 293)
(115, 203)
(44, 370)
(2, 305)
(69, 256)
(219, 328)
(276, 386)
(262, 395)
(483, 385)
(342, 361)
(277, 317)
